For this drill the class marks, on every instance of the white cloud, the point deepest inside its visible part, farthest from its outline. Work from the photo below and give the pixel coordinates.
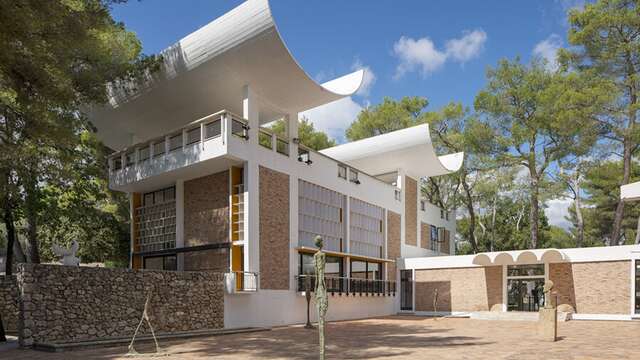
(557, 211)
(422, 54)
(368, 80)
(415, 54)
(547, 49)
(334, 118)
(468, 46)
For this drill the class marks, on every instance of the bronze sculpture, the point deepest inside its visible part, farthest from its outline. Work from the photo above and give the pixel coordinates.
(322, 302)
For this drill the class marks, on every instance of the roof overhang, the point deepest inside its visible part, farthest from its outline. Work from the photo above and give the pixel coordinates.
(630, 192)
(208, 70)
(409, 149)
(537, 256)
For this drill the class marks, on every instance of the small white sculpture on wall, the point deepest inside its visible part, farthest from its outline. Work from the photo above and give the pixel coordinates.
(68, 254)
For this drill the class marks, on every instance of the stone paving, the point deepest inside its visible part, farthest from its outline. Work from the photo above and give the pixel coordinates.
(396, 337)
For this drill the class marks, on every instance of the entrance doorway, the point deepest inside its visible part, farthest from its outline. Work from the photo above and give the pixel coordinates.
(525, 287)
(406, 290)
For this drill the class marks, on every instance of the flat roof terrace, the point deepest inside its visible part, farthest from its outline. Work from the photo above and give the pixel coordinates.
(395, 337)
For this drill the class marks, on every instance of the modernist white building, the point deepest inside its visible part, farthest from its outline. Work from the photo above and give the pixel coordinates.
(212, 188)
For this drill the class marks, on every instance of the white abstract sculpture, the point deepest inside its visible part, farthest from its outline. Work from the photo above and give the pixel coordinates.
(68, 254)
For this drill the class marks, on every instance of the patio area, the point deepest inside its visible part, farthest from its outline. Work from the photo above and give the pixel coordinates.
(397, 337)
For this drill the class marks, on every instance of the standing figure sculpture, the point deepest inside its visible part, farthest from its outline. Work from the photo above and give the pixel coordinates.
(322, 302)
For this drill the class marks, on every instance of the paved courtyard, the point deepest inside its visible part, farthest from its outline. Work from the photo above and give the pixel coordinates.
(397, 337)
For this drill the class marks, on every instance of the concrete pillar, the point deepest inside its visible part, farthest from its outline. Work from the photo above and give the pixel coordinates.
(292, 133)
(250, 113)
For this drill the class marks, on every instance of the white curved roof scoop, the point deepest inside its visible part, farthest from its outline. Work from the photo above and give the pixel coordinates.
(207, 71)
(409, 149)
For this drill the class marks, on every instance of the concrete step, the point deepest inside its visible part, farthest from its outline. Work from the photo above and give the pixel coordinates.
(512, 315)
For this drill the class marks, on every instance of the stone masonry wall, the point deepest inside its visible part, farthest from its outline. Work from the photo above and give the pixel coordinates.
(460, 289)
(411, 212)
(9, 302)
(61, 304)
(274, 229)
(425, 235)
(393, 242)
(593, 287)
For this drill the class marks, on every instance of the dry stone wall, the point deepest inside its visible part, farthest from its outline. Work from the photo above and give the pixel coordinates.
(60, 304)
(9, 302)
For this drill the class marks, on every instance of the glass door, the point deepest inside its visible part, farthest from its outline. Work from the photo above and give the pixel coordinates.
(525, 287)
(406, 290)
(637, 286)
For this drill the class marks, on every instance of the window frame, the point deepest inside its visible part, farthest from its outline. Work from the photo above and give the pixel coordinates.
(340, 168)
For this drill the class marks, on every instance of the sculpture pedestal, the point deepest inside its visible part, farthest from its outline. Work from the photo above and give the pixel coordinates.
(548, 324)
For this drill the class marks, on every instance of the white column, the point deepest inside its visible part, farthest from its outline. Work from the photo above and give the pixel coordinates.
(292, 133)
(180, 222)
(250, 112)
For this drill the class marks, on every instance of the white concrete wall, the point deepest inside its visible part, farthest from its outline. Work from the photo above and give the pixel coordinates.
(274, 308)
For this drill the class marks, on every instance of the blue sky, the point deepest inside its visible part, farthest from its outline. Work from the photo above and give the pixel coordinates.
(437, 49)
(403, 44)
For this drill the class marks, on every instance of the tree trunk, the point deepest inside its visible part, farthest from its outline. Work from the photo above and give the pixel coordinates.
(493, 223)
(11, 236)
(472, 216)
(31, 213)
(534, 214)
(577, 203)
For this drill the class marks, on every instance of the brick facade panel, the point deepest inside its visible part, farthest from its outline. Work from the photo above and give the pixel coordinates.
(394, 222)
(465, 289)
(411, 211)
(593, 287)
(425, 235)
(274, 229)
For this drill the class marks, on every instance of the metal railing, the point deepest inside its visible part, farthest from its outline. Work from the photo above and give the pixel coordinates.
(241, 281)
(209, 127)
(348, 286)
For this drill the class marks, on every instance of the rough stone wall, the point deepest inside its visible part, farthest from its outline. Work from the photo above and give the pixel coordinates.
(61, 304)
(464, 289)
(9, 302)
(393, 242)
(411, 212)
(206, 210)
(274, 229)
(593, 287)
(425, 235)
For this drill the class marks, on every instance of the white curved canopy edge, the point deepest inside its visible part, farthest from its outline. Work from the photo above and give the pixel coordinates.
(408, 149)
(207, 71)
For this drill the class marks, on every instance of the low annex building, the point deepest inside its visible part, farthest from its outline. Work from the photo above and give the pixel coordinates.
(599, 283)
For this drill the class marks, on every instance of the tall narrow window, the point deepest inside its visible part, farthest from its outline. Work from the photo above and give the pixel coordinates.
(637, 286)
(342, 172)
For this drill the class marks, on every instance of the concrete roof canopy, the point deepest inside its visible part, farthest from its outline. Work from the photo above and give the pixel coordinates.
(408, 149)
(207, 71)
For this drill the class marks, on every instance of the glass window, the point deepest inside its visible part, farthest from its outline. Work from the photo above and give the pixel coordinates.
(130, 157)
(342, 172)
(353, 176)
(333, 267)
(526, 270)
(175, 142)
(158, 148)
(434, 238)
(212, 129)
(422, 205)
(366, 270)
(446, 215)
(144, 153)
(397, 194)
(441, 214)
(193, 135)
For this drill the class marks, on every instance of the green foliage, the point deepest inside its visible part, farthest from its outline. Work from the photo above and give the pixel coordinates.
(388, 116)
(57, 58)
(308, 135)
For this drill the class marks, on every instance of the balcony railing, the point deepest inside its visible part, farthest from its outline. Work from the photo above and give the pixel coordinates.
(241, 281)
(349, 286)
(197, 132)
